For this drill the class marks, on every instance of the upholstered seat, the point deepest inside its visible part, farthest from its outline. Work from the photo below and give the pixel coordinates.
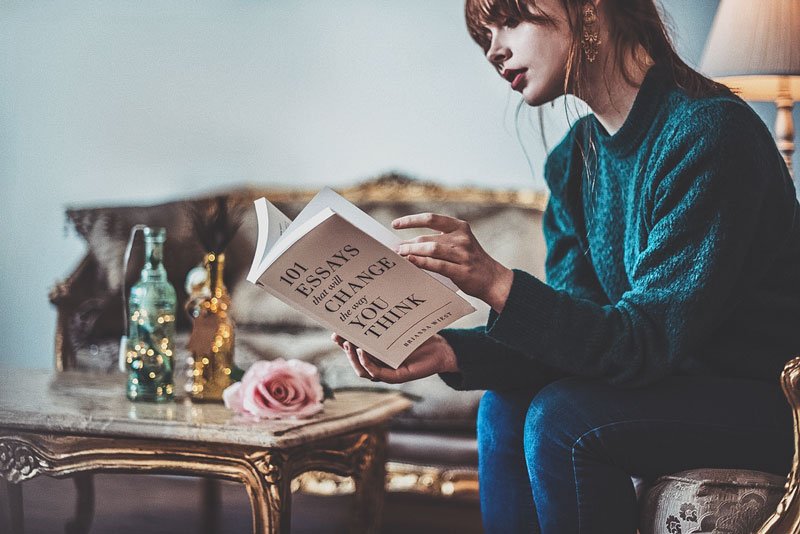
(710, 501)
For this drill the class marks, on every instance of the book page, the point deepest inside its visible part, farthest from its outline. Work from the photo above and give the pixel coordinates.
(272, 223)
(328, 198)
(290, 238)
(359, 288)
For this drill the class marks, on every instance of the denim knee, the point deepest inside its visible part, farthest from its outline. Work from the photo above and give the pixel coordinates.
(553, 419)
(501, 416)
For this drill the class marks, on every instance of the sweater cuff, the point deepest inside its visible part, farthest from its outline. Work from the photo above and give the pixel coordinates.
(529, 306)
(472, 363)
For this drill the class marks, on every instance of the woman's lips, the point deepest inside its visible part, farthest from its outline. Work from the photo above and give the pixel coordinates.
(518, 80)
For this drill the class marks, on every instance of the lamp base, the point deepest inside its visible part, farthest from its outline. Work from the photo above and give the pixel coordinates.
(784, 129)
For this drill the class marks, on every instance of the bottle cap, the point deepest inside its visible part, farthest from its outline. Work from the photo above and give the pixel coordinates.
(155, 233)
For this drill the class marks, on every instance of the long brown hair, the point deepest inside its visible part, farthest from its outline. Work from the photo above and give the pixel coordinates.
(632, 23)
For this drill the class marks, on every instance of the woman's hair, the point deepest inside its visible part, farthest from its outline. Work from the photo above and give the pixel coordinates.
(632, 23)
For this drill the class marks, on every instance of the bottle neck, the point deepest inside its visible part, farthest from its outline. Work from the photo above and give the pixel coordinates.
(215, 263)
(154, 260)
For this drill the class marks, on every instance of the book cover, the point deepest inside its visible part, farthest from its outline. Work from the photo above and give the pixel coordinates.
(352, 282)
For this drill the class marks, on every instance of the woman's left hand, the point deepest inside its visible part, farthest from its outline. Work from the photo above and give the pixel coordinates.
(433, 356)
(456, 254)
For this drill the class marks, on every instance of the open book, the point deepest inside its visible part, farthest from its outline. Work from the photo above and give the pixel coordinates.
(336, 264)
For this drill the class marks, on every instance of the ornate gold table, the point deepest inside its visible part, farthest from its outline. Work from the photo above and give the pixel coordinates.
(61, 424)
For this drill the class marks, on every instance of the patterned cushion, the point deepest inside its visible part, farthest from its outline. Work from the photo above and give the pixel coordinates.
(715, 501)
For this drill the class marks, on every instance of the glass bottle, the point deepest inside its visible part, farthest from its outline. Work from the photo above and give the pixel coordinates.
(151, 332)
(212, 341)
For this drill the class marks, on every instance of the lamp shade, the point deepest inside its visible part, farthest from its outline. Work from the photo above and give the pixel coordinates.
(754, 48)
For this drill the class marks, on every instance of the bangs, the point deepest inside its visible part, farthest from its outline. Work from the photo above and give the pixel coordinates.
(482, 13)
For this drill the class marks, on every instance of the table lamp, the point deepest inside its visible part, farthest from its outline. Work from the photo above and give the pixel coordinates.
(754, 48)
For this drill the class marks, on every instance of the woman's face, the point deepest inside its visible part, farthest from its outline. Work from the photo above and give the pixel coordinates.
(532, 56)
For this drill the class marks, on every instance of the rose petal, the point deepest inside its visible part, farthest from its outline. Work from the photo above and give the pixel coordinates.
(232, 397)
(253, 401)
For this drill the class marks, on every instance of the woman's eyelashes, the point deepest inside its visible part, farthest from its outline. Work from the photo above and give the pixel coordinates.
(508, 22)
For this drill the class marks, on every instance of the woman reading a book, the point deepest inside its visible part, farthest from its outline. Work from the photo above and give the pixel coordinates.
(672, 296)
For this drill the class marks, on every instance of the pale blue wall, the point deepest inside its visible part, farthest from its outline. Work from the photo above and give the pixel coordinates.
(121, 101)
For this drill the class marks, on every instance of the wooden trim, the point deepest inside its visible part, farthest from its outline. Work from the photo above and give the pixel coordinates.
(61, 297)
(391, 188)
(786, 519)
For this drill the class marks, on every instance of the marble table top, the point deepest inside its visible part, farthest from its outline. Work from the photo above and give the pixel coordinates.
(78, 403)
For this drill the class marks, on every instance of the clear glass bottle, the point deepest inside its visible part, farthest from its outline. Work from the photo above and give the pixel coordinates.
(212, 341)
(151, 332)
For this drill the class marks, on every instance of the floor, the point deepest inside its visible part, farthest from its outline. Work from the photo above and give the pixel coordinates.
(128, 504)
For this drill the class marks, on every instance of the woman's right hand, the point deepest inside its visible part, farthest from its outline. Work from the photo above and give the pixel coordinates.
(434, 356)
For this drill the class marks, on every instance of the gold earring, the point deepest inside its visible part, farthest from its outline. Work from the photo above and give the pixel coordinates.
(591, 37)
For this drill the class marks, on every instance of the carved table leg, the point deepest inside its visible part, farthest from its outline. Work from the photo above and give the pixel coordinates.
(370, 485)
(271, 495)
(84, 508)
(360, 455)
(11, 515)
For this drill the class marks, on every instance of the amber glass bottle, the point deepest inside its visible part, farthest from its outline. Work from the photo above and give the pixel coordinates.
(212, 340)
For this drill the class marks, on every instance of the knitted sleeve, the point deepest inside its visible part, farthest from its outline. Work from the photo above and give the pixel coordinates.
(485, 363)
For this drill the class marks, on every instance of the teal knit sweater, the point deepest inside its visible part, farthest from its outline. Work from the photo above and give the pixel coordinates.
(677, 254)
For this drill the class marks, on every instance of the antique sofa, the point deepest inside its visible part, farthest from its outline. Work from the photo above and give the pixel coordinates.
(432, 448)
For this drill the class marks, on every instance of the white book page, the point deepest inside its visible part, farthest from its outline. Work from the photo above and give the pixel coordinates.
(328, 198)
(272, 223)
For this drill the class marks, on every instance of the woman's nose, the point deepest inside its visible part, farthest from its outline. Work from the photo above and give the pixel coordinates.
(497, 53)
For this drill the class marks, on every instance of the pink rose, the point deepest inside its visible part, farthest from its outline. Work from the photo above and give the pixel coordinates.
(276, 389)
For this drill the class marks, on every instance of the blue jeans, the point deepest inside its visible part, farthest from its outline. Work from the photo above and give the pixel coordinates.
(560, 460)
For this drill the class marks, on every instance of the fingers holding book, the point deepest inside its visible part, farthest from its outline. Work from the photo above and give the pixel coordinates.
(433, 356)
(350, 351)
(456, 253)
(364, 365)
